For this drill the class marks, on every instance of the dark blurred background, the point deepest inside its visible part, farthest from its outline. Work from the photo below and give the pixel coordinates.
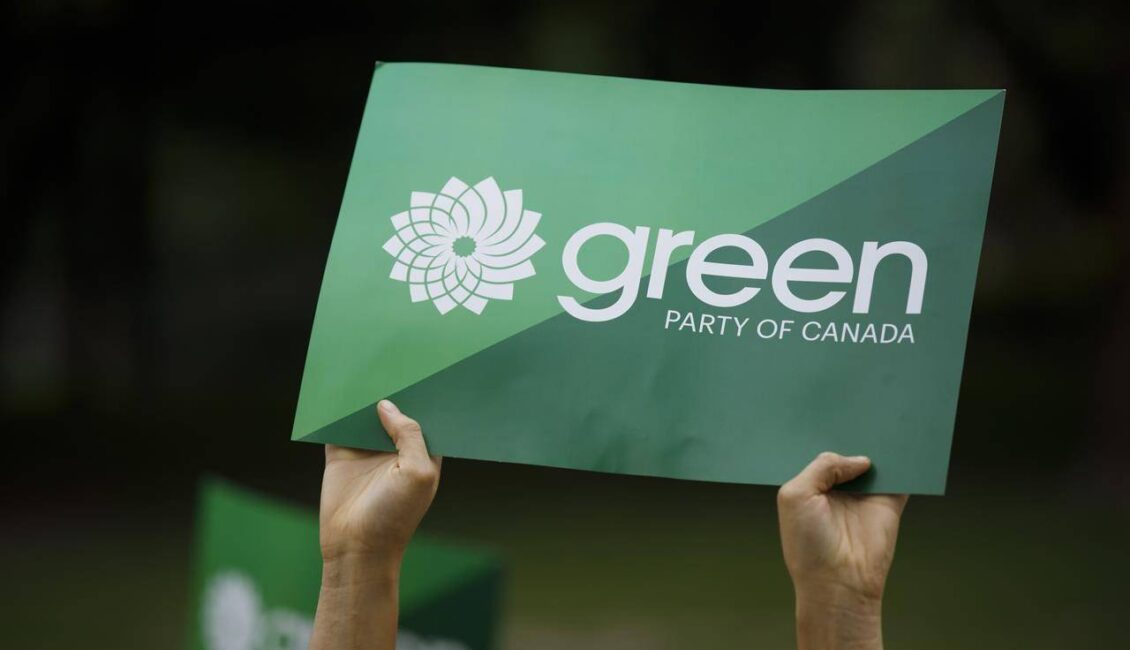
(171, 174)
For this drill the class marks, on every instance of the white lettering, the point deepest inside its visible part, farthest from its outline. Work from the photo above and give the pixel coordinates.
(784, 272)
(665, 243)
(872, 255)
(697, 267)
(627, 283)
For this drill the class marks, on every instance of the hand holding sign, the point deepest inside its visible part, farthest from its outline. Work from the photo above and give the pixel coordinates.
(372, 503)
(838, 547)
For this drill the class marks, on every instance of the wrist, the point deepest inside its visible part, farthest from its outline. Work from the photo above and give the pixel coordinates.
(831, 618)
(358, 603)
(361, 569)
(359, 550)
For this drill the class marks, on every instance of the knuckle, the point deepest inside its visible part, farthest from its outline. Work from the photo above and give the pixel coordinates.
(837, 475)
(787, 494)
(410, 426)
(827, 457)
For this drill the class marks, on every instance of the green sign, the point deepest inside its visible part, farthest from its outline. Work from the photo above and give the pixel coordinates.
(259, 568)
(653, 278)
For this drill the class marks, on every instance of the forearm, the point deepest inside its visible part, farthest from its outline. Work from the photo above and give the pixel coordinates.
(358, 604)
(827, 621)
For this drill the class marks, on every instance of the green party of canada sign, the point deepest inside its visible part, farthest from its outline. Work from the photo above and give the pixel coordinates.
(652, 278)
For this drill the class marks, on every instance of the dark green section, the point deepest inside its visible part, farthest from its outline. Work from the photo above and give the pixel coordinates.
(468, 611)
(276, 546)
(433, 572)
(627, 396)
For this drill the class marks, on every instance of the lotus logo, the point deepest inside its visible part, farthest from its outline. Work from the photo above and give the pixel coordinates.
(464, 246)
(232, 610)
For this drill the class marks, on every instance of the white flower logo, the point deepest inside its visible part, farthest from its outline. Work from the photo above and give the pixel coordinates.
(465, 245)
(231, 612)
(236, 619)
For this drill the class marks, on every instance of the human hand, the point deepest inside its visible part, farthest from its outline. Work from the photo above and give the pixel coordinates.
(838, 548)
(373, 501)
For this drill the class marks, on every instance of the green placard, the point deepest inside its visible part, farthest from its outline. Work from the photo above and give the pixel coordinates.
(654, 278)
(258, 571)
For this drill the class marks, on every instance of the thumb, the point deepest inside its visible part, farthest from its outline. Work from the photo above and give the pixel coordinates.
(825, 472)
(405, 433)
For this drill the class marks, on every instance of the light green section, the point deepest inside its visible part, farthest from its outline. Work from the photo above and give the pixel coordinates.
(583, 149)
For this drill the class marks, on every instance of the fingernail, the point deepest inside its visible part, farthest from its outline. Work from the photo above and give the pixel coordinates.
(860, 459)
(388, 407)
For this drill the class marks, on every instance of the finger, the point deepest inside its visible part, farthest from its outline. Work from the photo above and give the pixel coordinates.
(405, 433)
(825, 472)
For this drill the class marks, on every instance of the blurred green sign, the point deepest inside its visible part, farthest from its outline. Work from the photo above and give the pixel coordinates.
(258, 572)
(655, 278)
